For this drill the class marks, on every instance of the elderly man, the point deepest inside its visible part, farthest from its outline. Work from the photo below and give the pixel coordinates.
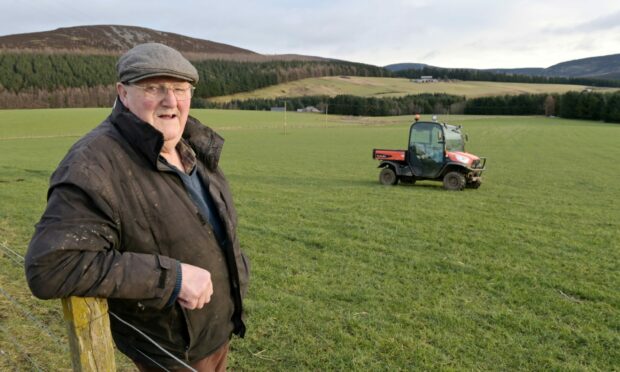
(140, 213)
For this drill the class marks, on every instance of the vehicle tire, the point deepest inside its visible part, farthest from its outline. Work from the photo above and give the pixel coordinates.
(388, 176)
(454, 181)
(474, 185)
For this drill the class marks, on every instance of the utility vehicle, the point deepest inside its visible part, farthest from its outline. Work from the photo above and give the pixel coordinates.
(436, 152)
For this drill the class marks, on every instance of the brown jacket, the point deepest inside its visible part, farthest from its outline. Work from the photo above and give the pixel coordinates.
(116, 227)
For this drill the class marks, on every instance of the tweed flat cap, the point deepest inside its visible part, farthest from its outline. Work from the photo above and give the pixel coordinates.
(154, 59)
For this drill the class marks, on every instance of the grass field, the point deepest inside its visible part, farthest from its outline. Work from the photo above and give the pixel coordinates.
(347, 274)
(396, 87)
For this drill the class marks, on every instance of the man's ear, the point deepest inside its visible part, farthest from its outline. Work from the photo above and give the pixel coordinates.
(122, 93)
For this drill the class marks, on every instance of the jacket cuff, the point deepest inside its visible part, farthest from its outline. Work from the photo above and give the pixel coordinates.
(177, 286)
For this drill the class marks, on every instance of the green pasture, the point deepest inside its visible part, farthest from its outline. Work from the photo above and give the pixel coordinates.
(397, 87)
(347, 274)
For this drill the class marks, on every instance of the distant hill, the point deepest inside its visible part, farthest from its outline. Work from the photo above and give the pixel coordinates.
(111, 39)
(530, 71)
(603, 67)
(405, 66)
(116, 39)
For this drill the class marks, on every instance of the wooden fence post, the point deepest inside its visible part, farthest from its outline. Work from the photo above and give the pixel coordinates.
(90, 338)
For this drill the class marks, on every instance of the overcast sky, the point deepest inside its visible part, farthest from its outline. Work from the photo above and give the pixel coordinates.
(445, 33)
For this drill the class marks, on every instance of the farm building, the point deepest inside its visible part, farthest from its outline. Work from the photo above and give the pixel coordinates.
(425, 79)
(309, 109)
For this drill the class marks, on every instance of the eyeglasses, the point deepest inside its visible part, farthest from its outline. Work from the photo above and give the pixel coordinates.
(157, 92)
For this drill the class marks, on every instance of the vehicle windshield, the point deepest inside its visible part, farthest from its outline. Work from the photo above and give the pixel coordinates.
(454, 140)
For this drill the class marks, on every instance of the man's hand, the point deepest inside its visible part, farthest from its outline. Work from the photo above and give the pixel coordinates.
(196, 287)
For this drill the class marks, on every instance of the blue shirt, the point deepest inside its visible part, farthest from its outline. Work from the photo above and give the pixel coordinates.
(204, 201)
(199, 193)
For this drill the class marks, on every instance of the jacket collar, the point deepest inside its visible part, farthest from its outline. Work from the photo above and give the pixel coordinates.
(148, 141)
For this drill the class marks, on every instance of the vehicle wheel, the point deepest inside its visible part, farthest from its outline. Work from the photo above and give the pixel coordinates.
(454, 181)
(475, 184)
(388, 177)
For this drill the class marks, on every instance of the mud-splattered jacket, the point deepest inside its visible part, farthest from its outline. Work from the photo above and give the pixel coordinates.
(116, 227)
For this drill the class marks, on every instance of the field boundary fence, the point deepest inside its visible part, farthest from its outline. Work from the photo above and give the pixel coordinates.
(88, 325)
(40, 137)
(24, 312)
(87, 321)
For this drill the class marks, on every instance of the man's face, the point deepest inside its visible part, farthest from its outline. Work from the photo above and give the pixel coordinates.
(165, 113)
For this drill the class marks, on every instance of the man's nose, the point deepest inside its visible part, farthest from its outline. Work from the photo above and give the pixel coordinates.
(169, 97)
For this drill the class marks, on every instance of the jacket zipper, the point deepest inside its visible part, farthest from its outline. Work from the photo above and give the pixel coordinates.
(189, 334)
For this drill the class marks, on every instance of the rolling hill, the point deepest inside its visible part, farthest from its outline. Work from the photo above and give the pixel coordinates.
(396, 87)
(111, 39)
(406, 66)
(603, 67)
(115, 39)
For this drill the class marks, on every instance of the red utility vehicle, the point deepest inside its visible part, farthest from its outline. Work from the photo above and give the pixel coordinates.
(436, 152)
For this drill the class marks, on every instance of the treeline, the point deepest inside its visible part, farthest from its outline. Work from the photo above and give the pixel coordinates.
(523, 104)
(29, 72)
(481, 75)
(219, 78)
(98, 96)
(590, 106)
(22, 72)
(354, 105)
(571, 105)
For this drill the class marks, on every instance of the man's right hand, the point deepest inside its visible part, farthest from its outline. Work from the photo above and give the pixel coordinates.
(196, 287)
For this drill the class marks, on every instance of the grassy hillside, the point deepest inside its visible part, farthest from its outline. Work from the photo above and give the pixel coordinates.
(521, 274)
(330, 86)
(394, 87)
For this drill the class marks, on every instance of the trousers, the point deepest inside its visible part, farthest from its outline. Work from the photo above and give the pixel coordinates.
(215, 362)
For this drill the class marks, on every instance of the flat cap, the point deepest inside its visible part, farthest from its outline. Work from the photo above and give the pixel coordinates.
(154, 59)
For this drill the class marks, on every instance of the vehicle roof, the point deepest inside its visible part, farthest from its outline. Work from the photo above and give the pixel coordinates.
(445, 125)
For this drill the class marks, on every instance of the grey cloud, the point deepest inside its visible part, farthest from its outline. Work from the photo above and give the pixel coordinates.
(441, 32)
(607, 22)
(603, 23)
